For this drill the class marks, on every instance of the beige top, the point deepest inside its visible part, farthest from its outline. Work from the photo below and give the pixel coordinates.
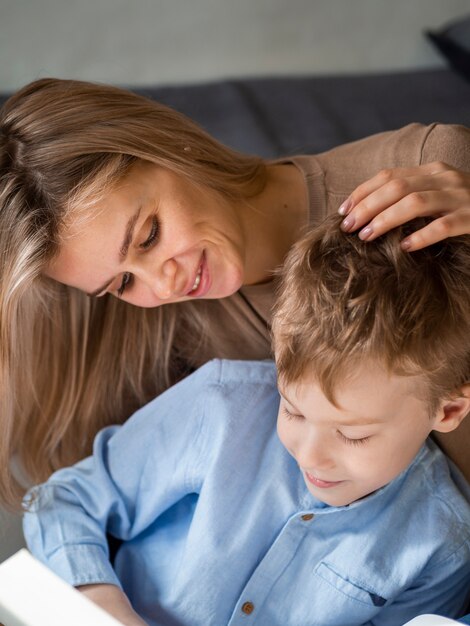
(240, 323)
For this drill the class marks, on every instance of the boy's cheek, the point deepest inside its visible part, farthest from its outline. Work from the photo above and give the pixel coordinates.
(284, 434)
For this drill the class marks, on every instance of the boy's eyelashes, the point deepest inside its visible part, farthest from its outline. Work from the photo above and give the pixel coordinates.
(291, 416)
(354, 442)
(296, 416)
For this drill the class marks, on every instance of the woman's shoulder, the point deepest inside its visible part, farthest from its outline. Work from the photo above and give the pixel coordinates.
(346, 166)
(448, 143)
(410, 145)
(386, 149)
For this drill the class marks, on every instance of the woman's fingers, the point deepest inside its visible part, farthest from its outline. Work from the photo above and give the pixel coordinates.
(396, 181)
(397, 195)
(414, 204)
(449, 225)
(394, 197)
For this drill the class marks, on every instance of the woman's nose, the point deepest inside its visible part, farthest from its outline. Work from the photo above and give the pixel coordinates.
(160, 277)
(164, 282)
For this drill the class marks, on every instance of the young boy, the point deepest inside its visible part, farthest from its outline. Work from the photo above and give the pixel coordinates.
(348, 516)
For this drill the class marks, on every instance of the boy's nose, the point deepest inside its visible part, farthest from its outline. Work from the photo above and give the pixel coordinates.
(314, 453)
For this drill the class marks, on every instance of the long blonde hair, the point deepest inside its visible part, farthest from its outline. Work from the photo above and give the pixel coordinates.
(69, 364)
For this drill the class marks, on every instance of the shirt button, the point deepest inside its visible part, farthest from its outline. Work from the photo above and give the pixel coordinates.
(307, 517)
(248, 608)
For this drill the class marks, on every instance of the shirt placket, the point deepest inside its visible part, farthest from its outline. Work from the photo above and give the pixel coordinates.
(248, 609)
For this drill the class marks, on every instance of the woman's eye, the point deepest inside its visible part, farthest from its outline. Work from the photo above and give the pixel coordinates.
(126, 281)
(154, 233)
(353, 442)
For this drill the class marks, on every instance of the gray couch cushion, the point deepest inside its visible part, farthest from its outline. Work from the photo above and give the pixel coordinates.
(284, 116)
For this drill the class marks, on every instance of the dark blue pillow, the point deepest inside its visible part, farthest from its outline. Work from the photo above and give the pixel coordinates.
(453, 41)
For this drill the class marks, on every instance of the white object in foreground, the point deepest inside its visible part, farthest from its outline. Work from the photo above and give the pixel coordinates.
(430, 620)
(32, 595)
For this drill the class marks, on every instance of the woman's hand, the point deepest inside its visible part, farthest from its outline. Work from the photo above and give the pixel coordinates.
(114, 601)
(395, 196)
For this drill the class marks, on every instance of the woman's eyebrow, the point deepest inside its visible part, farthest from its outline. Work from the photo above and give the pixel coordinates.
(123, 250)
(128, 235)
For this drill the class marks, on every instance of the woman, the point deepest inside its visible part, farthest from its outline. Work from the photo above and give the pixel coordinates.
(109, 200)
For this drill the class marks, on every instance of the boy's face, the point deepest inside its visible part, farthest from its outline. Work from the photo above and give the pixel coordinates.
(349, 452)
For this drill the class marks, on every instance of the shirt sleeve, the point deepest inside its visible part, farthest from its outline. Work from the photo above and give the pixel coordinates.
(136, 472)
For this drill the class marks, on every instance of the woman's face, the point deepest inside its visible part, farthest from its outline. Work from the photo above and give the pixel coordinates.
(157, 238)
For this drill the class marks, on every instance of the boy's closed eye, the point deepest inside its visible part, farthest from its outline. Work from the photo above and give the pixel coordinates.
(353, 441)
(291, 415)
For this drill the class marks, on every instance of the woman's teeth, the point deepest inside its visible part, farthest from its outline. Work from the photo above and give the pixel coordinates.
(198, 279)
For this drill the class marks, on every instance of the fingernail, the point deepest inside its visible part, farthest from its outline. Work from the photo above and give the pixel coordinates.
(345, 207)
(365, 233)
(405, 244)
(347, 223)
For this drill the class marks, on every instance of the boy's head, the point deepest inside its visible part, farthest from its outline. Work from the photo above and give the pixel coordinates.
(372, 350)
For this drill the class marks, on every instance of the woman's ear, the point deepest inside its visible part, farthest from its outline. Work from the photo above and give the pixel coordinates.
(452, 412)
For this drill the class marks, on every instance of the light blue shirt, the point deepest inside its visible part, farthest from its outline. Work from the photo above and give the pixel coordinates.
(220, 527)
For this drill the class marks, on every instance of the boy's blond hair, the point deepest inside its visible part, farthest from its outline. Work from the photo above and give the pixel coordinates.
(341, 300)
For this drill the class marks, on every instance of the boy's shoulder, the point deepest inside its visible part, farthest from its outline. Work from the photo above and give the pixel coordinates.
(445, 489)
(435, 506)
(417, 524)
(228, 372)
(233, 390)
(221, 373)
(214, 405)
(214, 388)
(222, 376)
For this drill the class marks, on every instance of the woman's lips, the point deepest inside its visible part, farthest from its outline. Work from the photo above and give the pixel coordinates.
(201, 280)
(322, 484)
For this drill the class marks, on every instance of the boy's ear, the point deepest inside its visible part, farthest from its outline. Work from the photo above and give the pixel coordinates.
(452, 412)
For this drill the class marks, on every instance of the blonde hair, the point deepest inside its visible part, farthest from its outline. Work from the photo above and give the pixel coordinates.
(342, 300)
(69, 364)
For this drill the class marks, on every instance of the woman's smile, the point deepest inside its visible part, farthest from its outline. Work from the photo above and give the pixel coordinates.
(202, 283)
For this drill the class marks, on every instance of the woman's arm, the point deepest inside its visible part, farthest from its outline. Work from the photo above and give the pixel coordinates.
(395, 196)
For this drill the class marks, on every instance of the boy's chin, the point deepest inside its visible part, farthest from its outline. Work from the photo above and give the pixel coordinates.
(339, 498)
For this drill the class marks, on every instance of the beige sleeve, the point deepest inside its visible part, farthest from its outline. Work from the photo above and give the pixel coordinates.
(349, 165)
(448, 143)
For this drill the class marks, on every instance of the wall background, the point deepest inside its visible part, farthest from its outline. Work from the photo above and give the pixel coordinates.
(132, 42)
